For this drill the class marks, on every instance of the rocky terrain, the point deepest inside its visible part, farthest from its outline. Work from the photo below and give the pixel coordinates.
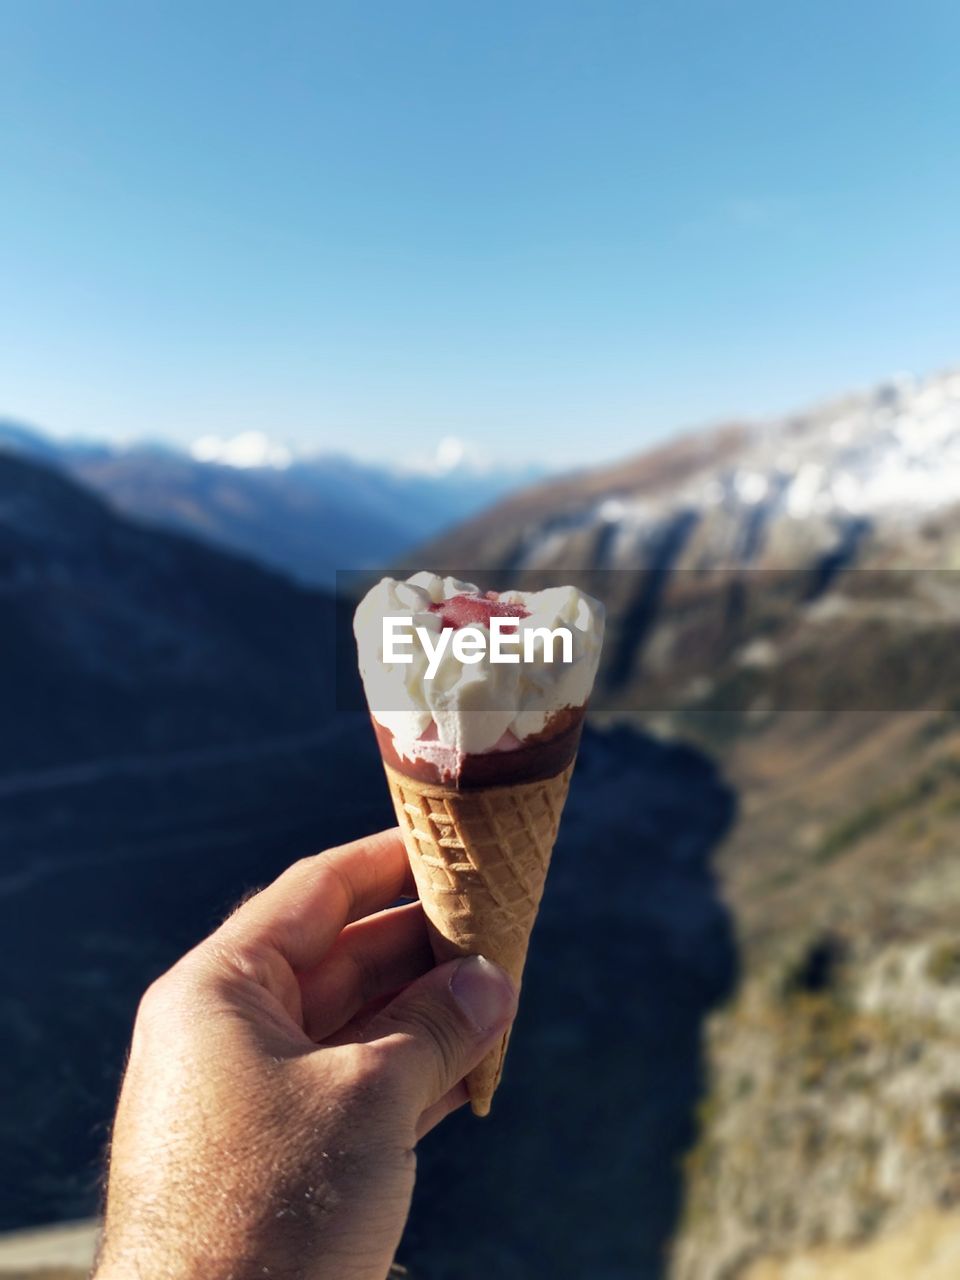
(787, 597)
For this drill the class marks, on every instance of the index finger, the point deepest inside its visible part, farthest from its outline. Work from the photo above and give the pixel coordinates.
(303, 911)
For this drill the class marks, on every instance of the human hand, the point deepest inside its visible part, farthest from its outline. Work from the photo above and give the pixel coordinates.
(277, 1084)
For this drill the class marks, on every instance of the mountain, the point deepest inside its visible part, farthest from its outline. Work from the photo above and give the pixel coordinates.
(118, 637)
(744, 494)
(304, 515)
(170, 740)
(786, 596)
(167, 731)
(738, 1052)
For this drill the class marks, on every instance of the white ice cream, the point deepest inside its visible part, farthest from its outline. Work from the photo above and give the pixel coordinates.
(487, 706)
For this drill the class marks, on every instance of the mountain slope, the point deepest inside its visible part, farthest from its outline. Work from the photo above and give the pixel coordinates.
(762, 494)
(513, 533)
(788, 598)
(166, 742)
(174, 747)
(139, 640)
(307, 517)
(730, 563)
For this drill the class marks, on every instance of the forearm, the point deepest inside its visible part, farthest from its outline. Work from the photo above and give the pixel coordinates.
(277, 1207)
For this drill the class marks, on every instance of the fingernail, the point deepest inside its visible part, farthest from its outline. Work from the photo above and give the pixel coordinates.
(484, 992)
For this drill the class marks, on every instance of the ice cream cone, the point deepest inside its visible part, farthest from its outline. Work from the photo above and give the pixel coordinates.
(480, 859)
(478, 747)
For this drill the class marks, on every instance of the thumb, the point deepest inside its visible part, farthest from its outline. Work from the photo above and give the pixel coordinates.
(441, 1026)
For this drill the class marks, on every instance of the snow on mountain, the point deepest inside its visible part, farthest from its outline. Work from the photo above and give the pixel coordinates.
(895, 450)
(770, 493)
(305, 513)
(248, 449)
(253, 450)
(758, 492)
(891, 453)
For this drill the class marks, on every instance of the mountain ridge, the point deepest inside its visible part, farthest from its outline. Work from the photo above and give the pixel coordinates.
(84, 630)
(308, 518)
(891, 454)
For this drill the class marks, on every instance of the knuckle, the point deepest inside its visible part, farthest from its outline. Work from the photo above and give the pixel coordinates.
(155, 1001)
(364, 1086)
(157, 1015)
(319, 870)
(439, 1031)
(166, 997)
(305, 865)
(294, 876)
(362, 1067)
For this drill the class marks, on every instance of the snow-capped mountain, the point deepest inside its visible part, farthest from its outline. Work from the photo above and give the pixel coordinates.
(727, 560)
(306, 514)
(892, 454)
(763, 494)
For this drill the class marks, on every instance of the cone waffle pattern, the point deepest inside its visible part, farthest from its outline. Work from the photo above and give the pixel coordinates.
(480, 860)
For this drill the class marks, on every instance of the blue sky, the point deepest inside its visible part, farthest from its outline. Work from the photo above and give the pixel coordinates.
(558, 229)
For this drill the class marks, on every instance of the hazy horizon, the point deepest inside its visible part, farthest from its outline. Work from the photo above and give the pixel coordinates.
(253, 448)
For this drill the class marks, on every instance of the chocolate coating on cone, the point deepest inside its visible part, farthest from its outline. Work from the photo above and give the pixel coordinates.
(480, 860)
(542, 756)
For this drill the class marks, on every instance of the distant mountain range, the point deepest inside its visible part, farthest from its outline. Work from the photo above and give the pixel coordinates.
(307, 516)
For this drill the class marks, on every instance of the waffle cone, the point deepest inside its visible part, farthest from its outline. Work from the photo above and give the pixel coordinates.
(480, 861)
